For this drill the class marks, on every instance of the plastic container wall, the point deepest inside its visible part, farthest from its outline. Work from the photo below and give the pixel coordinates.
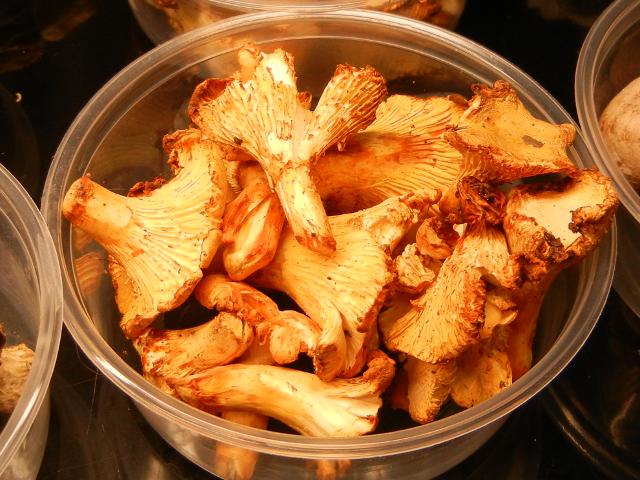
(162, 20)
(31, 313)
(608, 61)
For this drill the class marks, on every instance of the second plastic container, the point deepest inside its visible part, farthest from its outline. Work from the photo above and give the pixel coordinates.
(30, 313)
(608, 61)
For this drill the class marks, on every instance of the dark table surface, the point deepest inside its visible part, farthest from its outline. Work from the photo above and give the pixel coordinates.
(55, 55)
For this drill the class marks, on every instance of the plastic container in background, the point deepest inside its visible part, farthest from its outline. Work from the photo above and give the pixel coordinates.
(608, 61)
(164, 19)
(31, 313)
(117, 139)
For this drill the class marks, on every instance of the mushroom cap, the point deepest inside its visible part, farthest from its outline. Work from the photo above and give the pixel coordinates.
(551, 223)
(158, 242)
(443, 321)
(266, 117)
(482, 372)
(619, 126)
(178, 353)
(428, 388)
(402, 151)
(448, 317)
(501, 141)
(359, 269)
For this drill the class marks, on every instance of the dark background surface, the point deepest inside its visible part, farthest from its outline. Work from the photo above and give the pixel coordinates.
(54, 55)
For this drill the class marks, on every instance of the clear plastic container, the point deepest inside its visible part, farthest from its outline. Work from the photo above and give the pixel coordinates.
(31, 313)
(117, 138)
(608, 61)
(164, 19)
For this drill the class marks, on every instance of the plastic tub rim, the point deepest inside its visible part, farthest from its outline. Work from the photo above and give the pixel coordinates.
(49, 280)
(290, 5)
(447, 429)
(594, 48)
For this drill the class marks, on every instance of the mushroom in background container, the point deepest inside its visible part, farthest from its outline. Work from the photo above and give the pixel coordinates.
(607, 90)
(31, 322)
(164, 19)
(315, 272)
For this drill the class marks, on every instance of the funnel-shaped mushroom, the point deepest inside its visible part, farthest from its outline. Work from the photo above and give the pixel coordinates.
(344, 292)
(482, 371)
(402, 151)
(340, 408)
(427, 388)
(158, 242)
(287, 333)
(15, 365)
(178, 353)
(447, 318)
(501, 141)
(237, 463)
(252, 224)
(553, 225)
(265, 117)
(413, 272)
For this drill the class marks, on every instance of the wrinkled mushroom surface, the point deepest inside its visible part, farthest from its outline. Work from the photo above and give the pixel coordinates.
(401, 152)
(15, 365)
(552, 226)
(265, 117)
(157, 242)
(502, 141)
(340, 408)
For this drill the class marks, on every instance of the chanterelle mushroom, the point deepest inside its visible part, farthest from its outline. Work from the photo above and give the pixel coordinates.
(427, 388)
(265, 117)
(552, 225)
(15, 365)
(252, 224)
(157, 242)
(501, 141)
(413, 273)
(237, 463)
(344, 292)
(482, 371)
(447, 318)
(178, 353)
(340, 408)
(287, 333)
(402, 151)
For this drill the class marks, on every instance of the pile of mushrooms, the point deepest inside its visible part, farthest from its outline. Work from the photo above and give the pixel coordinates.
(416, 266)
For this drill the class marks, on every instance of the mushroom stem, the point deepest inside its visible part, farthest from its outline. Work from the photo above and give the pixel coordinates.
(237, 463)
(340, 408)
(297, 193)
(104, 215)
